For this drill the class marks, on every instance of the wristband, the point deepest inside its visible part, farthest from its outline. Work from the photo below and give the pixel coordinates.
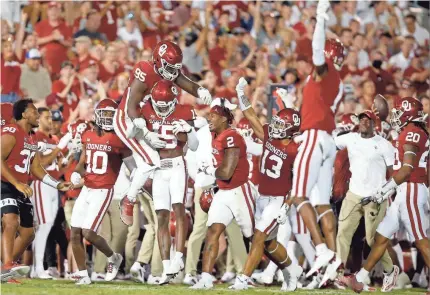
(49, 180)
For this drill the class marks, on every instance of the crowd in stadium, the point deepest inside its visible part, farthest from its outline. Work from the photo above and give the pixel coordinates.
(98, 78)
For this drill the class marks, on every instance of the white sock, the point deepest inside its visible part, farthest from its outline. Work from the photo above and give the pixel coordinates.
(308, 249)
(178, 255)
(83, 273)
(321, 248)
(362, 275)
(291, 251)
(244, 277)
(40, 244)
(414, 254)
(112, 258)
(399, 255)
(166, 264)
(271, 269)
(206, 277)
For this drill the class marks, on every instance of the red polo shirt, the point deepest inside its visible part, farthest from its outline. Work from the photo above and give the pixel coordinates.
(55, 52)
(71, 101)
(10, 74)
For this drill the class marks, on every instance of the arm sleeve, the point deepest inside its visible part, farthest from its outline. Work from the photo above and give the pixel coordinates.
(318, 43)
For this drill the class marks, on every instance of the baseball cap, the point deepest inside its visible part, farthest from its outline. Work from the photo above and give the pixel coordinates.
(369, 114)
(83, 39)
(57, 116)
(33, 54)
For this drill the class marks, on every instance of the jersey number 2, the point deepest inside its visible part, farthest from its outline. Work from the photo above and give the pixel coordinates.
(275, 170)
(93, 159)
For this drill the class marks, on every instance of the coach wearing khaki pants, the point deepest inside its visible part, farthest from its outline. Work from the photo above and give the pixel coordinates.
(370, 157)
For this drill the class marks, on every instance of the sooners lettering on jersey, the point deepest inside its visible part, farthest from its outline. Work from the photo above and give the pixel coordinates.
(22, 153)
(145, 73)
(230, 138)
(103, 159)
(321, 100)
(276, 166)
(163, 126)
(51, 144)
(417, 137)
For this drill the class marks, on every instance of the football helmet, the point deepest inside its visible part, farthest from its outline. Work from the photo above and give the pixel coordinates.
(285, 124)
(164, 98)
(405, 110)
(348, 121)
(167, 59)
(206, 199)
(104, 113)
(78, 128)
(335, 51)
(6, 109)
(244, 128)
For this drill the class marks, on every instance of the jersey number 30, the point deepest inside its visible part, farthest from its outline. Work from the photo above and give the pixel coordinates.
(93, 162)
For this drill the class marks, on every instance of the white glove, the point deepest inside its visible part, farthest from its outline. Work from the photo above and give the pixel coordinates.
(207, 168)
(64, 141)
(154, 140)
(139, 123)
(181, 126)
(322, 9)
(41, 147)
(204, 95)
(283, 214)
(77, 143)
(385, 191)
(240, 90)
(287, 98)
(75, 178)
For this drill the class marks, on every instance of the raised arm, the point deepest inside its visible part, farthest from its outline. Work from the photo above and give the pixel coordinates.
(193, 88)
(248, 111)
(318, 40)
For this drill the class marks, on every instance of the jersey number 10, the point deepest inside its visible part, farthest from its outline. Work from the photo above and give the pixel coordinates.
(93, 165)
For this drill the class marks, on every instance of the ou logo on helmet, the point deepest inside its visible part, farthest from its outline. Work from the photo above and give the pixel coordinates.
(296, 119)
(406, 105)
(162, 50)
(174, 90)
(81, 127)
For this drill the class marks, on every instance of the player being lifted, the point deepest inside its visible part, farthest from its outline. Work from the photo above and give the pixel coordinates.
(19, 158)
(408, 182)
(236, 195)
(279, 151)
(99, 165)
(172, 122)
(131, 128)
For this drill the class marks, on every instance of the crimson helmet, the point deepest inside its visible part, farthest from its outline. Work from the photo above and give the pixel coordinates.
(167, 59)
(164, 97)
(78, 128)
(382, 128)
(335, 51)
(244, 128)
(405, 110)
(285, 124)
(206, 199)
(348, 121)
(6, 113)
(104, 113)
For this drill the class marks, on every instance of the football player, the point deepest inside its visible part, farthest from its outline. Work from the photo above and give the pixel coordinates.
(411, 204)
(173, 124)
(19, 158)
(235, 198)
(314, 163)
(99, 165)
(166, 64)
(45, 199)
(279, 151)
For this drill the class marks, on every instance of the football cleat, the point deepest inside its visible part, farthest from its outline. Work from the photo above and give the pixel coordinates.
(227, 277)
(321, 261)
(331, 270)
(137, 272)
(291, 281)
(390, 280)
(202, 285)
(113, 267)
(190, 279)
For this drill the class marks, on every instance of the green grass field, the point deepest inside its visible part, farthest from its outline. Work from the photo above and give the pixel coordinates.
(63, 287)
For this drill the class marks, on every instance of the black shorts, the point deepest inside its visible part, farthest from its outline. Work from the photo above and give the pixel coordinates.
(13, 201)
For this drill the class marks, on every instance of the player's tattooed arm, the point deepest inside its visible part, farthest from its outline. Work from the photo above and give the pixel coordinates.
(137, 91)
(229, 163)
(255, 123)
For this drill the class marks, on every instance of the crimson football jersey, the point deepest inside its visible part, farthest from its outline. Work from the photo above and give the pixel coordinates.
(230, 138)
(51, 144)
(22, 153)
(417, 137)
(321, 100)
(341, 175)
(103, 156)
(143, 71)
(276, 166)
(163, 126)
